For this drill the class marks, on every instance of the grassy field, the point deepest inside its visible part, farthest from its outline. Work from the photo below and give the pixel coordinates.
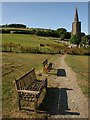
(27, 40)
(15, 29)
(15, 65)
(79, 64)
(30, 44)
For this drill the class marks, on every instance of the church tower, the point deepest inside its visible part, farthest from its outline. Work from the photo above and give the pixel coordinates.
(76, 25)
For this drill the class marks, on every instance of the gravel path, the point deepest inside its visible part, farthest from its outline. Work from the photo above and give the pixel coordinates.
(67, 98)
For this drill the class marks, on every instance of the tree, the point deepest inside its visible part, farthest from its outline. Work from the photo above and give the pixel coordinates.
(15, 25)
(61, 31)
(65, 35)
(84, 40)
(88, 36)
(40, 32)
(74, 39)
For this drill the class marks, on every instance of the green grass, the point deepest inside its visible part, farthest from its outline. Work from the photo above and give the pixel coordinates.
(10, 28)
(15, 65)
(27, 40)
(30, 44)
(79, 64)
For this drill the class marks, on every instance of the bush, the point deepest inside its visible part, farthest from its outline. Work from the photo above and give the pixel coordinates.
(30, 49)
(78, 51)
(8, 47)
(4, 31)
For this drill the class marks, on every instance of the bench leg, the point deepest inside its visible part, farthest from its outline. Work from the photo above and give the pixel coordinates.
(35, 105)
(19, 104)
(46, 85)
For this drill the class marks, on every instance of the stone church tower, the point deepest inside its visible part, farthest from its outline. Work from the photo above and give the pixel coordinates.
(76, 25)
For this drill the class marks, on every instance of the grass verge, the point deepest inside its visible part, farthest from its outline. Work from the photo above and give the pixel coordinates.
(79, 64)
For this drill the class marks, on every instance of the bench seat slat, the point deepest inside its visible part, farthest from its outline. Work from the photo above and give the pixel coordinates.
(36, 86)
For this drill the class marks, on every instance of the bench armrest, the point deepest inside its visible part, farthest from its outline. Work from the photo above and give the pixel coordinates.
(28, 91)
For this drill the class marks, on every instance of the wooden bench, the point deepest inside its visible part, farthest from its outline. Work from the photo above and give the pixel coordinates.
(46, 66)
(29, 88)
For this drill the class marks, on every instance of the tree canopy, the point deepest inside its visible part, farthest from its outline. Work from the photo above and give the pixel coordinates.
(15, 25)
(74, 39)
(65, 35)
(84, 40)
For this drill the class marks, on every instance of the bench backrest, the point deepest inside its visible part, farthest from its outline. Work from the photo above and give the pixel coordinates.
(45, 62)
(26, 80)
(45, 66)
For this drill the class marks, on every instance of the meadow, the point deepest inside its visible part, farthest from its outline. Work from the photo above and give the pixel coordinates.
(24, 40)
(80, 66)
(14, 66)
(30, 44)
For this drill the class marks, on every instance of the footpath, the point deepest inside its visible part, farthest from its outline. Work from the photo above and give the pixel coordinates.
(67, 99)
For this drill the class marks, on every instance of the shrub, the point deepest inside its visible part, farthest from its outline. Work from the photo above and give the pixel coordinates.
(78, 51)
(4, 31)
(30, 49)
(8, 47)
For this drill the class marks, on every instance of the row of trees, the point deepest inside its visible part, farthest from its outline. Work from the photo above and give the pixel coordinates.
(84, 40)
(14, 25)
(60, 32)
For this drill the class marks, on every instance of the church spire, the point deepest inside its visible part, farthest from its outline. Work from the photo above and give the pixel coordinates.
(76, 25)
(76, 16)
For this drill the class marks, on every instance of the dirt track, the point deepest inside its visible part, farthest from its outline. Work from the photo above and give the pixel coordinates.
(67, 100)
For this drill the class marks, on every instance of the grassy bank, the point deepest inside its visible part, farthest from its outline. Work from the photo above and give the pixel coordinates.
(79, 64)
(15, 65)
(30, 44)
